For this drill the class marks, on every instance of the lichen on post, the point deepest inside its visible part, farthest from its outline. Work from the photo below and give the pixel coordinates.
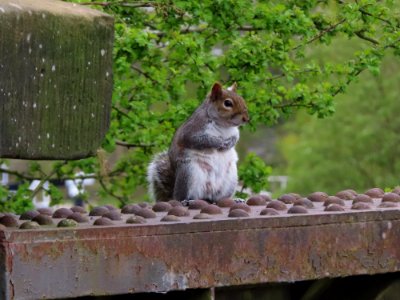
(55, 79)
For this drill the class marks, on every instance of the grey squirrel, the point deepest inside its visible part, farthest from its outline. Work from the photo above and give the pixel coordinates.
(201, 161)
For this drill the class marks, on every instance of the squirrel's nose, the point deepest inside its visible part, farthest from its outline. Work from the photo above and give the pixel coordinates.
(245, 118)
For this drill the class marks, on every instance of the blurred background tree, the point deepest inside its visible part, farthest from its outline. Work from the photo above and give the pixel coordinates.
(167, 54)
(357, 147)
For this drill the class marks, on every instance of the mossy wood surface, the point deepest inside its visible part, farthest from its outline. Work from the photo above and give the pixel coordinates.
(55, 79)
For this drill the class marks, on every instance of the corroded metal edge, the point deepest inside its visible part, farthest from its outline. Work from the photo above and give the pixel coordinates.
(55, 263)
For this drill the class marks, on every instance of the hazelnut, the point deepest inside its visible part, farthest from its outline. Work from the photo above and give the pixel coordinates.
(131, 209)
(278, 205)
(62, 213)
(238, 213)
(211, 209)
(103, 222)
(269, 212)
(226, 202)
(318, 196)
(179, 211)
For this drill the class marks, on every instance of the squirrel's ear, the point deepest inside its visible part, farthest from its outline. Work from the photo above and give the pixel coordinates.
(233, 87)
(216, 91)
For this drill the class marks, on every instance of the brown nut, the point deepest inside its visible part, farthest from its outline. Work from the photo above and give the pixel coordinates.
(179, 211)
(269, 212)
(113, 215)
(226, 202)
(29, 215)
(144, 205)
(110, 207)
(43, 220)
(99, 211)
(287, 198)
(362, 198)
(136, 220)
(360, 206)
(334, 200)
(318, 196)
(242, 206)
(375, 193)
(79, 209)
(170, 218)
(45, 211)
(146, 213)
(67, 223)
(334, 207)
(202, 216)
(297, 209)
(162, 206)
(388, 205)
(396, 190)
(29, 225)
(131, 209)
(78, 217)
(238, 213)
(175, 203)
(305, 202)
(197, 204)
(103, 222)
(211, 209)
(278, 205)
(391, 197)
(62, 213)
(345, 195)
(256, 200)
(8, 221)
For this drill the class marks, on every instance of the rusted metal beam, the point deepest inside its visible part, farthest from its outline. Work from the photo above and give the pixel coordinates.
(189, 253)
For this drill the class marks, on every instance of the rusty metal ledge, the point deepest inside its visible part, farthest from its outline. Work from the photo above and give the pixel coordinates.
(158, 257)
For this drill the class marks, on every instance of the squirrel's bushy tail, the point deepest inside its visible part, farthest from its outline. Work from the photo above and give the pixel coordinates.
(160, 177)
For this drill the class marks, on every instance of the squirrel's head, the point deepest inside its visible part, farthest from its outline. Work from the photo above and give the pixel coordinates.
(228, 107)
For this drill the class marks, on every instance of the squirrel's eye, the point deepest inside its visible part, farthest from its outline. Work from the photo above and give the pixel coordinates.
(228, 103)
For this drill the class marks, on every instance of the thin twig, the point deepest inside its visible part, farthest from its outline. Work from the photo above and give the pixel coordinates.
(111, 193)
(72, 177)
(364, 12)
(46, 178)
(131, 145)
(120, 111)
(361, 35)
(285, 105)
(284, 74)
(140, 71)
(320, 34)
(123, 4)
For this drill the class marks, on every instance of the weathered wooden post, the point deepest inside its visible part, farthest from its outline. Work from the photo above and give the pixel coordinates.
(55, 79)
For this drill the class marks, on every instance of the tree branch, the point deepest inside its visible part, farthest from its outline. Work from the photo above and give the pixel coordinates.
(131, 145)
(141, 72)
(109, 192)
(122, 4)
(320, 34)
(46, 178)
(284, 74)
(30, 178)
(120, 111)
(361, 35)
(364, 12)
(285, 105)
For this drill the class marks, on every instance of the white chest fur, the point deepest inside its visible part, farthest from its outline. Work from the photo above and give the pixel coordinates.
(213, 129)
(213, 173)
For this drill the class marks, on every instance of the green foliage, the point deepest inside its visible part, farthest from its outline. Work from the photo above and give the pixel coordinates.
(166, 59)
(18, 202)
(254, 173)
(356, 148)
